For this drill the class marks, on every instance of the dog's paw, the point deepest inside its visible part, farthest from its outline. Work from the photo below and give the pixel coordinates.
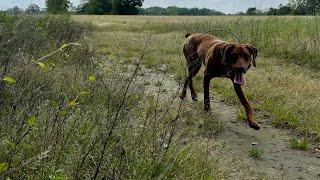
(195, 99)
(182, 97)
(254, 126)
(207, 109)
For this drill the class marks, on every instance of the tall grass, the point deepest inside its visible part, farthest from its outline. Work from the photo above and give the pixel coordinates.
(292, 39)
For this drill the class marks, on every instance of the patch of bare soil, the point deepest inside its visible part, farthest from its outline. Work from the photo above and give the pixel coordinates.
(278, 161)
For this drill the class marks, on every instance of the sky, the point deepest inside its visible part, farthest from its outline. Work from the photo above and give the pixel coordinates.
(226, 6)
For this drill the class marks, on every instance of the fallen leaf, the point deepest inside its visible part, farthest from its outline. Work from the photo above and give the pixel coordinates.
(9, 80)
(32, 120)
(4, 166)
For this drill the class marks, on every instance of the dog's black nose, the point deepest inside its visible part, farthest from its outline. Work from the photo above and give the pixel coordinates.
(241, 69)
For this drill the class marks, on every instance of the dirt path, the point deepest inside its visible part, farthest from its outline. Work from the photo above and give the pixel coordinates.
(278, 161)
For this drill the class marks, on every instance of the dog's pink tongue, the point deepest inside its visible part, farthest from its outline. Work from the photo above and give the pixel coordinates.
(238, 79)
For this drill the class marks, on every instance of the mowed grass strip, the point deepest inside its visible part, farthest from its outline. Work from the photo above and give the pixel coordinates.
(289, 92)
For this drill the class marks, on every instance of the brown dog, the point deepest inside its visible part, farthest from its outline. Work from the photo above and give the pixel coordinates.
(221, 59)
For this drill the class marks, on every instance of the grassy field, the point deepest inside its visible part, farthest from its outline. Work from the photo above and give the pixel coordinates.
(295, 39)
(285, 85)
(96, 96)
(69, 110)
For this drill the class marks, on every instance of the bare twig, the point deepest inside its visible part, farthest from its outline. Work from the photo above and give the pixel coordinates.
(27, 162)
(49, 55)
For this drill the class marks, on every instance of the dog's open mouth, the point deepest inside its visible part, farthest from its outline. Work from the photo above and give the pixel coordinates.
(239, 78)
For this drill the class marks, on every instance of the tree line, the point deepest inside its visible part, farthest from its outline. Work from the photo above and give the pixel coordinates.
(178, 11)
(98, 7)
(121, 7)
(134, 7)
(294, 7)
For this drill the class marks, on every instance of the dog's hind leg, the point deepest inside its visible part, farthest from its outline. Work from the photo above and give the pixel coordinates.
(206, 91)
(194, 65)
(193, 70)
(184, 90)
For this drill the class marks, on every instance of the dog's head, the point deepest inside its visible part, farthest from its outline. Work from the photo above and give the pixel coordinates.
(238, 59)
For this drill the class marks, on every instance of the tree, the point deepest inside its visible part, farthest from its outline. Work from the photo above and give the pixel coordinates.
(173, 10)
(122, 7)
(15, 10)
(33, 9)
(298, 7)
(305, 7)
(253, 11)
(57, 6)
(312, 6)
(272, 11)
(93, 7)
(157, 11)
(284, 10)
(127, 7)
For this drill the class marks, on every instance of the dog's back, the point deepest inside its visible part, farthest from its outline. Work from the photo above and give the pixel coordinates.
(197, 46)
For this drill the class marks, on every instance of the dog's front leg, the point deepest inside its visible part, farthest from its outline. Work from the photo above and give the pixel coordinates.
(206, 86)
(244, 101)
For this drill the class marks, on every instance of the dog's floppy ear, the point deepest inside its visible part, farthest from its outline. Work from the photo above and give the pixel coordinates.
(254, 52)
(225, 50)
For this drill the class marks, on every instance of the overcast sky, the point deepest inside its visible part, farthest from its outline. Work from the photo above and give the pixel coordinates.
(226, 6)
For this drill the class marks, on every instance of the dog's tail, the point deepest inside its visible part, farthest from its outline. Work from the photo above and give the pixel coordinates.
(187, 35)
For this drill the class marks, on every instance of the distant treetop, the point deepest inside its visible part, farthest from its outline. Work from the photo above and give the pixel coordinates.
(294, 7)
(121, 7)
(134, 7)
(179, 11)
(57, 6)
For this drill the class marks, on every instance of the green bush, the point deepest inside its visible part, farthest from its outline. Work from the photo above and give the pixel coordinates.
(36, 96)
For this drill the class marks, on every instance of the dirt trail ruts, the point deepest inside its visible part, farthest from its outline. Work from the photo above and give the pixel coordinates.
(278, 161)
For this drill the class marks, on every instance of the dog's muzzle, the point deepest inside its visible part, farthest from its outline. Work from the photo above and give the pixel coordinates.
(239, 76)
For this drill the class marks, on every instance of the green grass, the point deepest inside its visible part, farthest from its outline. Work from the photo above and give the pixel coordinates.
(255, 152)
(158, 83)
(302, 144)
(242, 114)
